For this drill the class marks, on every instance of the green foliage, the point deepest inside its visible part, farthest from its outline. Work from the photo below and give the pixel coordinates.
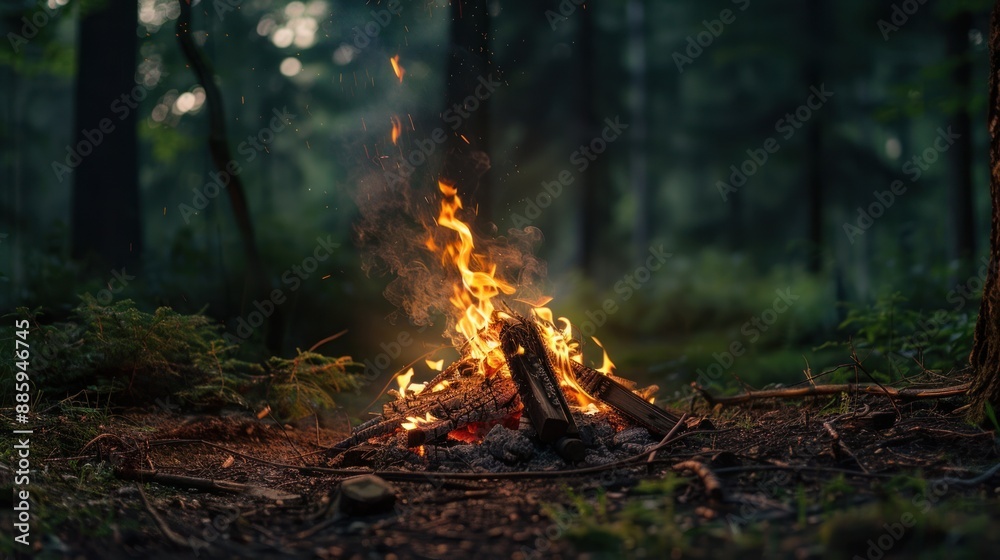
(140, 357)
(991, 414)
(307, 382)
(645, 524)
(896, 341)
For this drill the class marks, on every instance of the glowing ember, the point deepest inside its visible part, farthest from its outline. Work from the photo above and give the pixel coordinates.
(397, 68)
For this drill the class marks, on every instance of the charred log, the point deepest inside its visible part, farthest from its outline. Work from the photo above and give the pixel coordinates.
(537, 384)
(605, 389)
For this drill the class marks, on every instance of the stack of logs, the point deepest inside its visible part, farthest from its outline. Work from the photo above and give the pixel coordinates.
(469, 399)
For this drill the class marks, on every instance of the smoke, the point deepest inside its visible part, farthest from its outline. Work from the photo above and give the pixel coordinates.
(396, 227)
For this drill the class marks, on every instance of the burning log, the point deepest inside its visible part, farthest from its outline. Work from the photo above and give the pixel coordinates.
(495, 399)
(429, 415)
(538, 386)
(624, 401)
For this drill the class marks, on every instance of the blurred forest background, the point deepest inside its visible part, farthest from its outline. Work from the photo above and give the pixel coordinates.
(702, 87)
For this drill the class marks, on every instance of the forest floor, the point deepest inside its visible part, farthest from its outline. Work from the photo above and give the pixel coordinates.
(833, 477)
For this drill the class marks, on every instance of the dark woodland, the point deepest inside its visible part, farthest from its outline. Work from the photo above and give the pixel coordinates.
(475, 278)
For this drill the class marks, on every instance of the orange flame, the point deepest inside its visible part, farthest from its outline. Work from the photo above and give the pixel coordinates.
(473, 302)
(397, 128)
(397, 68)
(479, 286)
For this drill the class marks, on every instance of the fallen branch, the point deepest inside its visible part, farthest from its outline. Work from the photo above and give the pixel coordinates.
(713, 486)
(666, 438)
(840, 448)
(161, 524)
(824, 390)
(204, 484)
(405, 476)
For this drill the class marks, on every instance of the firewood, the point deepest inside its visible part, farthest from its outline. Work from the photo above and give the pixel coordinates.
(496, 399)
(543, 399)
(624, 401)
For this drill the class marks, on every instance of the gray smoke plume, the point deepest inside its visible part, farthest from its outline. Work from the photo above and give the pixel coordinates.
(398, 219)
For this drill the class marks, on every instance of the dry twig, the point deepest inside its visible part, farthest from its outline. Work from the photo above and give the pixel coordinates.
(825, 390)
(713, 486)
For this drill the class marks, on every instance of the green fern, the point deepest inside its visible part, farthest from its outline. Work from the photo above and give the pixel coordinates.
(140, 358)
(307, 382)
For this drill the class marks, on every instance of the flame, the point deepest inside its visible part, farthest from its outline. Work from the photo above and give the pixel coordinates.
(607, 366)
(435, 365)
(397, 128)
(480, 283)
(397, 68)
(414, 421)
(563, 349)
(403, 380)
(473, 301)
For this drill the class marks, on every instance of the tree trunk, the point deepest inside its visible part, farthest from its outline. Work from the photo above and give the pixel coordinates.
(985, 356)
(106, 221)
(638, 168)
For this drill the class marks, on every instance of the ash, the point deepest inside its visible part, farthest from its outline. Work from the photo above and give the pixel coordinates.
(506, 450)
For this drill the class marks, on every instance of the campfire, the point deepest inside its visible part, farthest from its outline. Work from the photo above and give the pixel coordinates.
(519, 367)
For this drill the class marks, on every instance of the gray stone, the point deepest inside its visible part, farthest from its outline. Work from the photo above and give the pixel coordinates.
(365, 495)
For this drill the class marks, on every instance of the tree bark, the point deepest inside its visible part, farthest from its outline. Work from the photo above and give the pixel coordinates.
(985, 356)
(106, 220)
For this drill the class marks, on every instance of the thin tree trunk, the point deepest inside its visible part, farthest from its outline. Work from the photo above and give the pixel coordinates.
(985, 356)
(258, 283)
(638, 168)
(106, 220)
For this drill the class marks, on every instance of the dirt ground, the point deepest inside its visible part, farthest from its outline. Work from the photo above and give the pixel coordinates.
(840, 477)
